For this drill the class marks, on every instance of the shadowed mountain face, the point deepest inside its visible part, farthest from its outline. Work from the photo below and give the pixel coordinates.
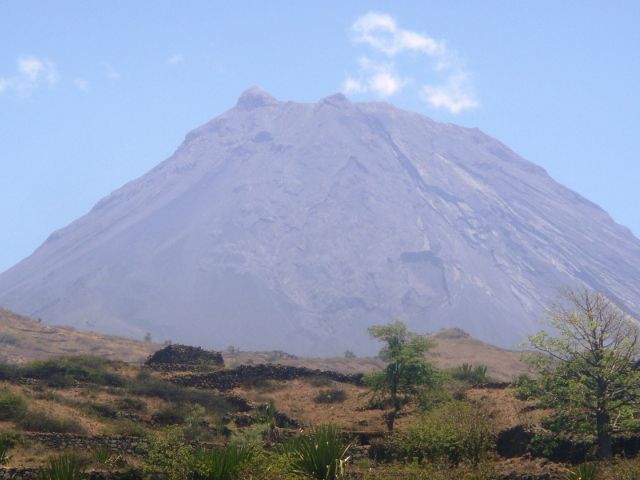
(282, 225)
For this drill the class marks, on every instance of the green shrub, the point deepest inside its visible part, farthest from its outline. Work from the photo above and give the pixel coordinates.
(170, 415)
(103, 410)
(168, 453)
(66, 371)
(451, 433)
(321, 455)
(40, 421)
(331, 396)
(320, 381)
(146, 385)
(8, 372)
(64, 467)
(221, 464)
(130, 404)
(526, 388)
(12, 406)
(127, 428)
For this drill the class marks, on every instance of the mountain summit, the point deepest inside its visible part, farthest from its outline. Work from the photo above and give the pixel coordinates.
(283, 225)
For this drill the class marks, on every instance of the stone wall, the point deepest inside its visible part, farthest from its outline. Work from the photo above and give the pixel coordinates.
(34, 474)
(177, 356)
(61, 441)
(252, 374)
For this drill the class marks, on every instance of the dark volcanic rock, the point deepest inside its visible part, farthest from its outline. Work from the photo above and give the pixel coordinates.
(184, 355)
(282, 225)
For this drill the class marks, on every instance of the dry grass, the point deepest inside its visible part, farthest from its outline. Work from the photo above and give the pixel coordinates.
(504, 409)
(295, 398)
(23, 340)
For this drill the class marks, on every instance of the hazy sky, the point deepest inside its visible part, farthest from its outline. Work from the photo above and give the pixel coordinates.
(93, 94)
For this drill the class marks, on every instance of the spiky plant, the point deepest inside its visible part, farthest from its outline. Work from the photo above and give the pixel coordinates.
(5, 446)
(585, 471)
(321, 455)
(64, 467)
(222, 463)
(102, 455)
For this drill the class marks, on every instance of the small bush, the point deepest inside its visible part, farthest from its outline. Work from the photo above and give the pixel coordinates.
(126, 428)
(169, 454)
(64, 467)
(12, 406)
(170, 415)
(66, 371)
(526, 388)
(8, 339)
(321, 455)
(103, 410)
(130, 404)
(331, 396)
(146, 385)
(9, 372)
(451, 433)
(39, 421)
(320, 381)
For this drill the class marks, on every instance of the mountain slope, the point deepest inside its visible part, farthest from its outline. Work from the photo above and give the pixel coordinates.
(23, 339)
(281, 225)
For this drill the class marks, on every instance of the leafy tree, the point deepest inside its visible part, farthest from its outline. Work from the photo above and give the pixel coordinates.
(407, 373)
(588, 368)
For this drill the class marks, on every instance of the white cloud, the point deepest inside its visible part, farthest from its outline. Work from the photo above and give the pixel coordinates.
(175, 59)
(377, 78)
(31, 72)
(456, 95)
(453, 90)
(381, 32)
(111, 73)
(81, 84)
(34, 69)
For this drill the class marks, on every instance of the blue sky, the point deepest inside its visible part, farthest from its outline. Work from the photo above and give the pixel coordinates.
(93, 94)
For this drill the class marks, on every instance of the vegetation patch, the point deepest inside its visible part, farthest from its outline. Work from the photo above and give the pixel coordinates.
(331, 396)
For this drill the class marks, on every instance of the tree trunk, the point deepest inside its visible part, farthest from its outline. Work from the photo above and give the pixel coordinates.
(604, 435)
(390, 419)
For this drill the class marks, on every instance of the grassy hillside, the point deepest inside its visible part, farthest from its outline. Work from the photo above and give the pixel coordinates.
(23, 340)
(452, 348)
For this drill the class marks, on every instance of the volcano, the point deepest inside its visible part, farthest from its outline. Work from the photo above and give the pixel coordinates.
(294, 226)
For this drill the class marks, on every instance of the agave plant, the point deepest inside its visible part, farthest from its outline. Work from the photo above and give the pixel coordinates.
(585, 471)
(221, 464)
(469, 373)
(322, 455)
(64, 467)
(102, 455)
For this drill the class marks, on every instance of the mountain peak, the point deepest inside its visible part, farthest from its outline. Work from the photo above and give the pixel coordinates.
(295, 226)
(336, 100)
(255, 97)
